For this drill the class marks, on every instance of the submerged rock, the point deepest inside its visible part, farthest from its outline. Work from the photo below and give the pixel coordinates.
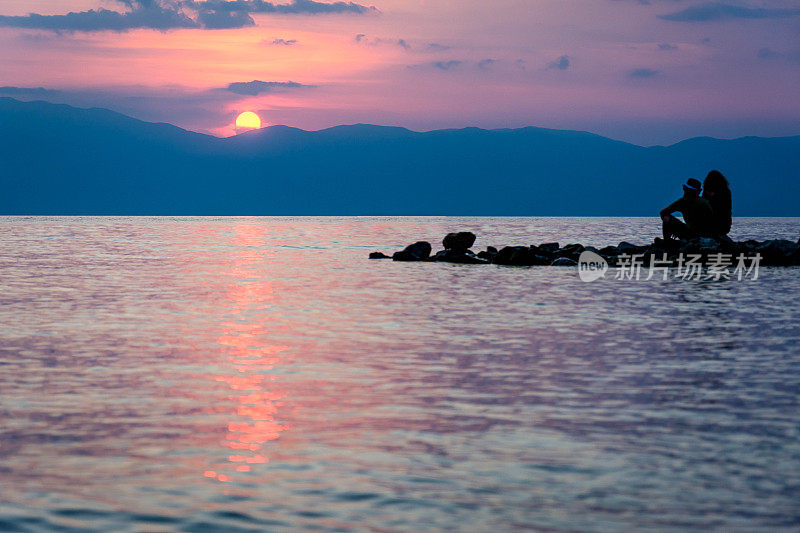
(571, 251)
(520, 256)
(457, 256)
(563, 261)
(779, 251)
(461, 241)
(608, 251)
(630, 249)
(419, 251)
(489, 254)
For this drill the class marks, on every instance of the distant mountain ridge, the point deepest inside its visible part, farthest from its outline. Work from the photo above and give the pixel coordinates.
(57, 159)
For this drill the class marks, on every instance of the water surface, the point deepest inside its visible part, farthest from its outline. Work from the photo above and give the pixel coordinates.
(250, 374)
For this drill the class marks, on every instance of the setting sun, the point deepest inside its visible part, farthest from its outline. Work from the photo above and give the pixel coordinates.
(248, 121)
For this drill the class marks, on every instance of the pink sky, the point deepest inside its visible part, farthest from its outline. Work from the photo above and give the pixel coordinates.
(649, 73)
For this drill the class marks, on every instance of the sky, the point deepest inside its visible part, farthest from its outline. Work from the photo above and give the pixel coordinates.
(643, 71)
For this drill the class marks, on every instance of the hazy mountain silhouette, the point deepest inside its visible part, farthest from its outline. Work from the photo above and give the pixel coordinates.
(56, 159)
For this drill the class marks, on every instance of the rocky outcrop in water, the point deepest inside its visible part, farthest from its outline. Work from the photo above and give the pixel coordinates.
(419, 251)
(460, 242)
(776, 252)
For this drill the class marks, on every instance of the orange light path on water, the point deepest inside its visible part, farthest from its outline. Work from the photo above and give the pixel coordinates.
(251, 361)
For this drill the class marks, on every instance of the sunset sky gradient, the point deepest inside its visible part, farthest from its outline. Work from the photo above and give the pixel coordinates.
(649, 72)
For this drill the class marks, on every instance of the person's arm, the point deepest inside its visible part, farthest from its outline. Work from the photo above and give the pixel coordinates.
(671, 208)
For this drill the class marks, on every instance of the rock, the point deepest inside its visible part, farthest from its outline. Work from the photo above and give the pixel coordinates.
(419, 251)
(537, 250)
(630, 249)
(700, 245)
(571, 251)
(781, 246)
(511, 255)
(489, 254)
(778, 252)
(573, 248)
(520, 256)
(608, 251)
(563, 261)
(707, 244)
(728, 245)
(460, 241)
(459, 257)
(657, 252)
(773, 252)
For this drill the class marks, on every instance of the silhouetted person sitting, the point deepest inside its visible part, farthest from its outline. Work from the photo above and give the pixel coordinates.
(696, 213)
(718, 194)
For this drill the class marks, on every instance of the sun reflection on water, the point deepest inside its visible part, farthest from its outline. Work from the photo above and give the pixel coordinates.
(252, 361)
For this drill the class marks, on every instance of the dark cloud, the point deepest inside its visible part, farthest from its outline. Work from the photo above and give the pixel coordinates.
(446, 65)
(642, 2)
(768, 53)
(667, 46)
(458, 64)
(256, 87)
(364, 39)
(643, 73)
(562, 63)
(223, 20)
(284, 42)
(295, 7)
(436, 47)
(166, 15)
(29, 92)
(721, 11)
(142, 14)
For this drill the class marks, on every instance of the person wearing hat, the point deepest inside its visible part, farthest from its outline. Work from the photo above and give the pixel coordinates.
(697, 214)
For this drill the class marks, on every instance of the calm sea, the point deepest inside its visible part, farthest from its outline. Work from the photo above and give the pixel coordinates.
(252, 374)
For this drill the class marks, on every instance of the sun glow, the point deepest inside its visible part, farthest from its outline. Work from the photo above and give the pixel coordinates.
(247, 121)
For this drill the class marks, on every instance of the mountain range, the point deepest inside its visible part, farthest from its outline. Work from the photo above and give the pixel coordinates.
(61, 160)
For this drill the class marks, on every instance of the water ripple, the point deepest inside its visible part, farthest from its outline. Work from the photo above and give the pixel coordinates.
(251, 374)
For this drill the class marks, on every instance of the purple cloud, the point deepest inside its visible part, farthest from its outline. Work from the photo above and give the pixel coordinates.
(562, 63)
(643, 73)
(447, 65)
(256, 87)
(163, 15)
(720, 11)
